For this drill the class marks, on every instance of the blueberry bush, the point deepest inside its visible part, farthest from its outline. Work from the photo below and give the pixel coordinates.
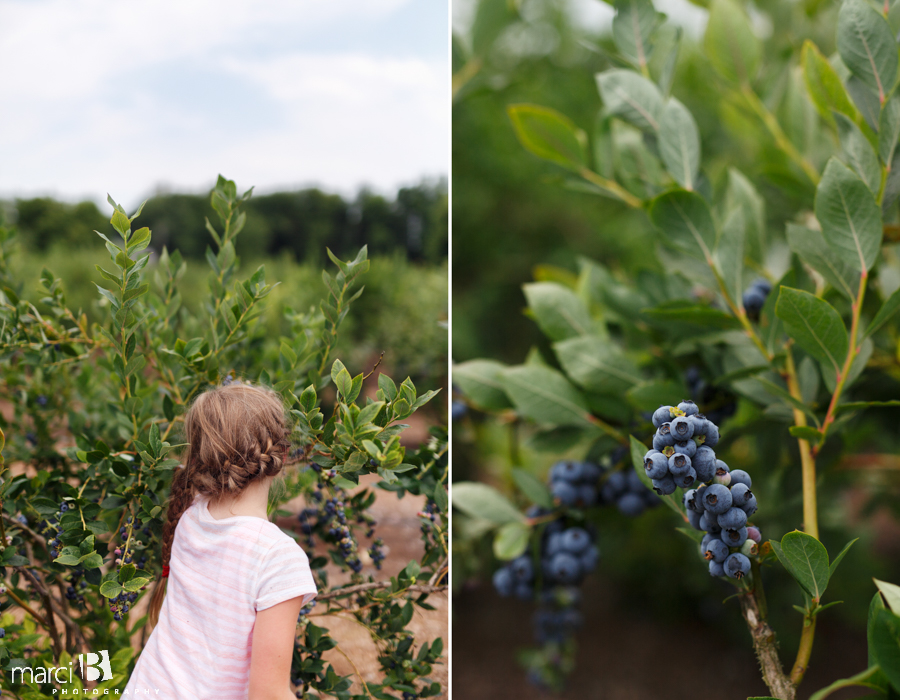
(91, 416)
(757, 356)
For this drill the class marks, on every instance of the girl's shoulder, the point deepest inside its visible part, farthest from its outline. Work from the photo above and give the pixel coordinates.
(264, 533)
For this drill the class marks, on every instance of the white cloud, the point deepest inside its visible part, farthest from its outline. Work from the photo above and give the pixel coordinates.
(122, 96)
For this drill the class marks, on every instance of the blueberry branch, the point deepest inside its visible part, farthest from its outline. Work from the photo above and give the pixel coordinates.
(807, 456)
(848, 361)
(764, 641)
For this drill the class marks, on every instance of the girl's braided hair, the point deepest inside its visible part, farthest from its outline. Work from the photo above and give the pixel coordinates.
(235, 434)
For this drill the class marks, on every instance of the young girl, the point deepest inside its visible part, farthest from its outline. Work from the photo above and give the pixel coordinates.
(226, 628)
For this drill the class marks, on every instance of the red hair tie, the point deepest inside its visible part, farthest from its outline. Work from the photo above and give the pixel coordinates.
(165, 573)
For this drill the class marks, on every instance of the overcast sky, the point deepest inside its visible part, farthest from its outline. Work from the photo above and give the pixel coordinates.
(125, 97)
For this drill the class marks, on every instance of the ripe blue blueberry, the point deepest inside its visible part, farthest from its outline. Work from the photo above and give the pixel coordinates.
(566, 493)
(617, 481)
(553, 544)
(587, 496)
(656, 465)
(631, 504)
(740, 493)
(664, 486)
(503, 581)
(737, 565)
(712, 434)
(679, 465)
(704, 462)
(715, 568)
(739, 476)
(707, 538)
(716, 499)
(681, 428)
(664, 432)
(589, 559)
(523, 591)
(522, 568)
(590, 472)
(716, 550)
(732, 519)
(750, 506)
(687, 480)
(753, 300)
(694, 518)
(688, 447)
(575, 540)
(709, 523)
(734, 538)
(565, 568)
(700, 423)
(567, 471)
(661, 415)
(689, 407)
(692, 502)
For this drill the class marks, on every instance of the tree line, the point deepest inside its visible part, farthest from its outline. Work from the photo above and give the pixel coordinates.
(304, 222)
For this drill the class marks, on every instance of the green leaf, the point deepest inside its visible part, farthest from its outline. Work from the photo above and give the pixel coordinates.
(859, 153)
(685, 221)
(729, 254)
(545, 396)
(558, 310)
(387, 386)
(886, 645)
(482, 501)
(682, 311)
(805, 432)
(825, 86)
(864, 679)
(814, 324)
(632, 28)
(288, 353)
(550, 135)
(631, 97)
(889, 128)
(888, 309)
(860, 405)
(479, 381)
(837, 560)
(511, 540)
(92, 560)
(67, 560)
(876, 604)
(344, 383)
(741, 194)
(533, 488)
(849, 214)
(810, 245)
(730, 43)
(806, 560)
(890, 592)
(679, 143)
(867, 46)
(650, 395)
(136, 584)
(110, 589)
(597, 365)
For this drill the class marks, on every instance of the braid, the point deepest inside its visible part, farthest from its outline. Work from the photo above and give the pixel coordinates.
(236, 434)
(180, 500)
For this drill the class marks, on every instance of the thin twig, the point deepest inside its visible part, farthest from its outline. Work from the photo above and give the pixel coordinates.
(377, 585)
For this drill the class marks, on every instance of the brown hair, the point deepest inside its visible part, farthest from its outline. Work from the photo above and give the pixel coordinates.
(235, 434)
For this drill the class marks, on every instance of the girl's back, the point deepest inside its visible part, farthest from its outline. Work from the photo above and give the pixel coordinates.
(228, 562)
(222, 572)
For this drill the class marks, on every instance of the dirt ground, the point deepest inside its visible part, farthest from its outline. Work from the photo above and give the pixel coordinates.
(622, 656)
(398, 525)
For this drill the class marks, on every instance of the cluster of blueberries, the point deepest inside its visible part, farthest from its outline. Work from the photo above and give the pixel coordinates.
(584, 484)
(682, 454)
(331, 517)
(376, 551)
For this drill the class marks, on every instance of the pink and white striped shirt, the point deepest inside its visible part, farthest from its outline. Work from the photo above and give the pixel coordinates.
(221, 573)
